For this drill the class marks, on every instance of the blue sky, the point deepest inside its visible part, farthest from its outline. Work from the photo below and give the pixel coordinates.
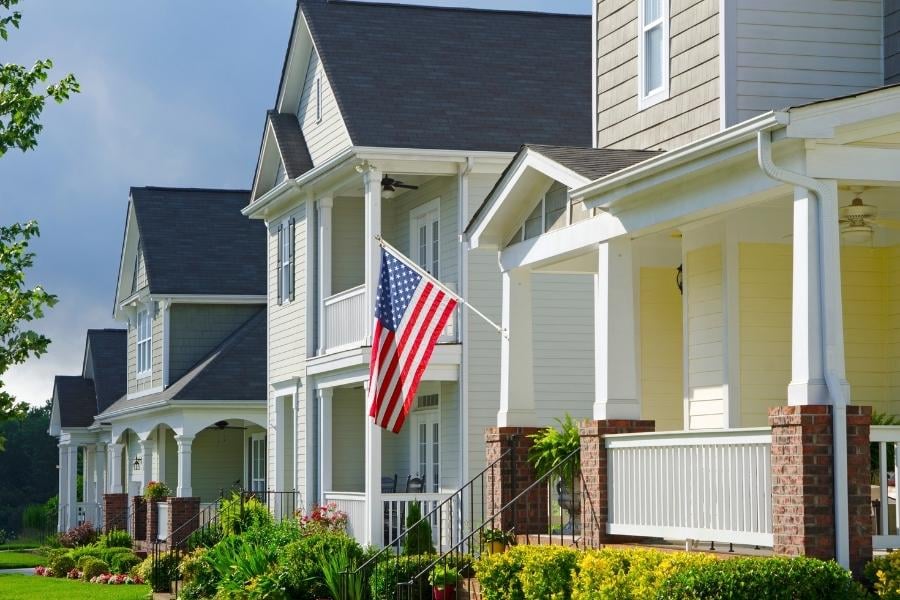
(174, 93)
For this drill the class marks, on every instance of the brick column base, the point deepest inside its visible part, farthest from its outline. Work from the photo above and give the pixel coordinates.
(803, 482)
(115, 512)
(152, 521)
(184, 518)
(138, 518)
(594, 491)
(511, 476)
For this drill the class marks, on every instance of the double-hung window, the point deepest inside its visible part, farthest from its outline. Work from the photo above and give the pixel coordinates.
(144, 344)
(425, 236)
(284, 268)
(653, 52)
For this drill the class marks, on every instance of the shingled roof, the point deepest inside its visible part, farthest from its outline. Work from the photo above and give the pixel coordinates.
(291, 143)
(592, 163)
(75, 399)
(455, 78)
(196, 241)
(108, 354)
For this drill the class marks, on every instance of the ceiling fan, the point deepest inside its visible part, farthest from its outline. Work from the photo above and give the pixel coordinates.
(220, 425)
(389, 184)
(858, 220)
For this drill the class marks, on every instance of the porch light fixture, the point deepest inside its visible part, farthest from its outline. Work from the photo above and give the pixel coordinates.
(679, 278)
(136, 465)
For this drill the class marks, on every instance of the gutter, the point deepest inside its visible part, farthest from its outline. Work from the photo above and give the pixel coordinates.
(839, 400)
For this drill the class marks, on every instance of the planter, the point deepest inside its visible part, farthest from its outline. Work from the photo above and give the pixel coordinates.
(570, 501)
(495, 547)
(446, 592)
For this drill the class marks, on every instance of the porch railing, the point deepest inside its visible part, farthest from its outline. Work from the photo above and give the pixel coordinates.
(396, 509)
(354, 504)
(885, 440)
(711, 486)
(346, 318)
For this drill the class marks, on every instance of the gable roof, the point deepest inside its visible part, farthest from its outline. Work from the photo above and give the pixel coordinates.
(291, 143)
(76, 400)
(196, 241)
(454, 78)
(108, 352)
(234, 371)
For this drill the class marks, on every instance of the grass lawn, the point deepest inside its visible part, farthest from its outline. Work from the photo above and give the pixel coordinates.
(18, 560)
(23, 544)
(29, 587)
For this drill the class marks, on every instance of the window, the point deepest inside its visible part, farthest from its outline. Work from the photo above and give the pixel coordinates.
(144, 343)
(318, 99)
(280, 173)
(549, 213)
(284, 268)
(426, 447)
(653, 52)
(258, 462)
(425, 236)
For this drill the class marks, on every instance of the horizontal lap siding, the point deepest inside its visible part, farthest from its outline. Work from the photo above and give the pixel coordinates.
(891, 41)
(140, 279)
(328, 137)
(706, 337)
(347, 244)
(217, 461)
(692, 109)
(662, 391)
(348, 440)
(791, 52)
(287, 323)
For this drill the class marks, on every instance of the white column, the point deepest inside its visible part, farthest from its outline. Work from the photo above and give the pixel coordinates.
(71, 487)
(159, 463)
(88, 481)
(325, 441)
(325, 251)
(374, 532)
(615, 331)
(184, 488)
(115, 469)
(101, 485)
(147, 451)
(807, 360)
(516, 352)
(62, 468)
(372, 183)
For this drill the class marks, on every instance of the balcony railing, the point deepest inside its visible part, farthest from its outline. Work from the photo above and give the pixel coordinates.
(354, 505)
(713, 486)
(886, 437)
(396, 510)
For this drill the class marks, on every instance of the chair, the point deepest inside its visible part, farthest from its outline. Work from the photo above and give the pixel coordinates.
(389, 485)
(414, 485)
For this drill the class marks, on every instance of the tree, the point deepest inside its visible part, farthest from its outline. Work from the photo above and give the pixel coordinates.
(20, 103)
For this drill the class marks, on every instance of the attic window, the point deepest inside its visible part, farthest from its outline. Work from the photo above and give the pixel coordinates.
(551, 212)
(653, 52)
(280, 173)
(318, 99)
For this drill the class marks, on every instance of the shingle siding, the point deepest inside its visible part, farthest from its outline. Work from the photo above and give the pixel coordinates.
(327, 137)
(891, 41)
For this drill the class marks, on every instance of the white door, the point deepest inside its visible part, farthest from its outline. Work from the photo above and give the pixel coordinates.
(426, 456)
(258, 462)
(425, 237)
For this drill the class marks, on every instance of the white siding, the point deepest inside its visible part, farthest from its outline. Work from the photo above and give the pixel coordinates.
(217, 461)
(347, 244)
(791, 52)
(706, 335)
(140, 279)
(348, 440)
(287, 322)
(155, 379)
(891, 41)
(327, 137)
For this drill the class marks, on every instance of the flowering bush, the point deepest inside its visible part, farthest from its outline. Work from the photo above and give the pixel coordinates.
(324, 518)
(82, 535)
(43, 571)
(109, 579)
(73, 574)
(156, 491)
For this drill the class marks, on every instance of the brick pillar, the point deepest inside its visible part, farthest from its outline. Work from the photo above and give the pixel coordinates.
(152, 521)
(594, 492)
(184, 517)
(115, 512)
(513, 474)
(138, 518)
(803, 482)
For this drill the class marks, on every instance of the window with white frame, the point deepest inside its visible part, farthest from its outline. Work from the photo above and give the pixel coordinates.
(425, 236)
(653, 52)
(551, 212)
(426, 437)
(284, 268)
(144, 343)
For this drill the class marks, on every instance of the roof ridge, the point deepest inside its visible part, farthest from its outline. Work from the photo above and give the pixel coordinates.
(430, 7)
(188, 189)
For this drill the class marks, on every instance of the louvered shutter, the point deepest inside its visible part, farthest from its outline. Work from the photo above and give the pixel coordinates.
(291, 266)
(278, 269)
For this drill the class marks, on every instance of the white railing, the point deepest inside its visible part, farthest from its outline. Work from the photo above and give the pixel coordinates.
(888, 522)
(88, 511)
(396, 509)
(711, 486)
(346, 319)
(162, 523)
(354, 504)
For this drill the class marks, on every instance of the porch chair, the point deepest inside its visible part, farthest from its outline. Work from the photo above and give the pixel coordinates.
(414, 485)
(389, 485)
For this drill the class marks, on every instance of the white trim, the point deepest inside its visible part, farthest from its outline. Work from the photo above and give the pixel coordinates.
(166, 351)
(727, 63)
(210, 298)
(429, 417)
(647, 98)
(430, 209)
(595, 138)
(145, 342)
(255, 438)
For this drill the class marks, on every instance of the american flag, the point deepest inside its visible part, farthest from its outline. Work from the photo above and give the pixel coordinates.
(410, 313)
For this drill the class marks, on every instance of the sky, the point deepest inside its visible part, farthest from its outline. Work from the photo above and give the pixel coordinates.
(174, 93)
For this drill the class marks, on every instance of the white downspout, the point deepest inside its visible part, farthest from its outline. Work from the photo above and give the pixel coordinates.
(832, 380)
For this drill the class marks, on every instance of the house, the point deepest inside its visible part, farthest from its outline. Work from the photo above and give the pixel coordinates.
(738, 226)
(188, 404)
(388, 123)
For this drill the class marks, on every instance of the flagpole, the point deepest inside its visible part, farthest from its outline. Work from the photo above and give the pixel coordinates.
(409, 263)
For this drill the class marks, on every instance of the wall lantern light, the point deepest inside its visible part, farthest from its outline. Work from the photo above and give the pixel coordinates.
(136, 465)
(679, 278)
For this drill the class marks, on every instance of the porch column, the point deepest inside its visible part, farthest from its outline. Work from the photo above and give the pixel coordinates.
(324, 206)
(516, 352)
(325, 441)
(615, 334)
(100, 485)
(71, 487)
(62, 474)
(88, 482)
(184, 488)
(115, 469)
(147, 448)
(374, 533)
(372, 183)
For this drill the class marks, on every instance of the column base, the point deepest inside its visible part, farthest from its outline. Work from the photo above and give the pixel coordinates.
(808, 393)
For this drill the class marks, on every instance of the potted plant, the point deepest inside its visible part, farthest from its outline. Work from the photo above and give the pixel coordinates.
(496, 540)
(551, 447)
(443, 579)
(156, 491)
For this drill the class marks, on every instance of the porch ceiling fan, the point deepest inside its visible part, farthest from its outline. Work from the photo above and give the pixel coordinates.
(858, 220)
(220, 425)
(389, 184)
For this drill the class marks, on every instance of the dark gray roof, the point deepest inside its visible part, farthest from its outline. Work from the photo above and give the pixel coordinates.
(455, 78)
(291, 143)
(845, 96)
(592, 163)
(234, 371)
(76, 399)
(108, 350)
(196, 241)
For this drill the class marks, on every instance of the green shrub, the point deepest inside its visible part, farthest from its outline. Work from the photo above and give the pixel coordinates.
(198, 574)
(206, 537)
(548, 573)
(91, 550)
(418, 535)
(238, 514)
(164, 573)
(61, 563)
(90, 567)
(117, 538)
(498, 574)
(884, 574)
(629, 574)
(333, 566)
(763, 579)
(387, 573)
(238, 564)
(124, 562)
(299, 567)
(110, 554)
